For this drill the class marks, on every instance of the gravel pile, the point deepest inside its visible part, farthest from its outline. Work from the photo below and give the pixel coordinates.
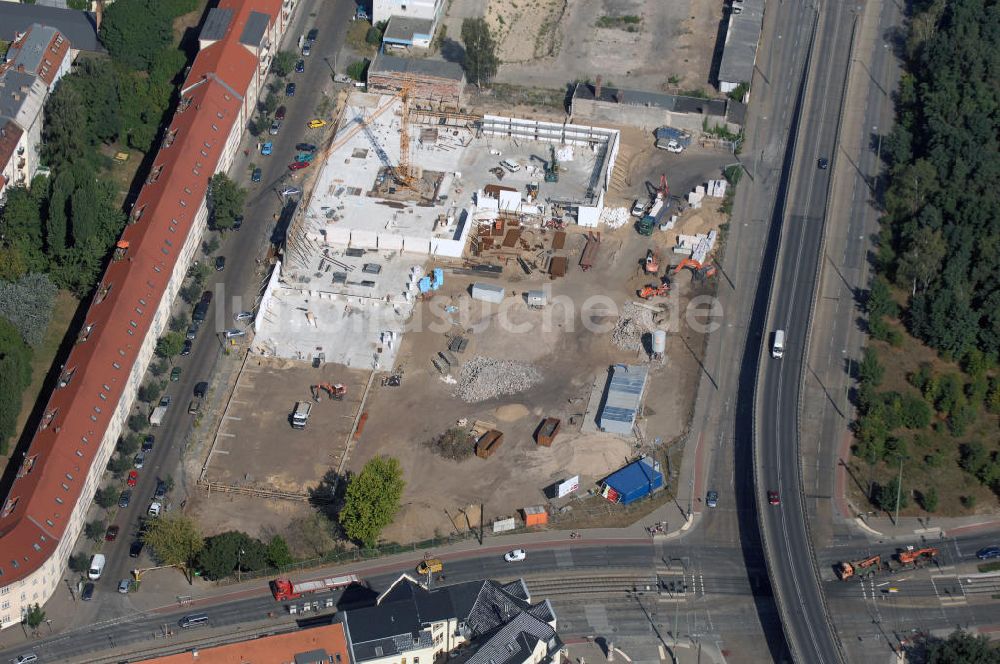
(615, 217)
(485, 378)
(633, 322)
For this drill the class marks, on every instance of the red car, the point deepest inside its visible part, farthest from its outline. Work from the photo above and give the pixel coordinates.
(772, 498)
(112, 534)
(296, 165)
(133, 477)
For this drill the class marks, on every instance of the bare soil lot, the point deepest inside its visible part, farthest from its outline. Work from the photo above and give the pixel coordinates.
(638, 44)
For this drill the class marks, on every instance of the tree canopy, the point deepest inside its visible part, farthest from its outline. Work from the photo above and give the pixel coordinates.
(175, 539)
(15, 374)
(961, 648)
(225, 201)
(372, 500)
(224, 552)
(941, 233)
(481, 61)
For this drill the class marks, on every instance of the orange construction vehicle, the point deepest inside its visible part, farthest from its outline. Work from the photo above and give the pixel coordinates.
(701, 271)
(916, 557)
(650, 291)
(652, 262)
(860, 568)
(336, 391)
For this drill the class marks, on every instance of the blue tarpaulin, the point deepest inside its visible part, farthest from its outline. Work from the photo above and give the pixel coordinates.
(634, 481)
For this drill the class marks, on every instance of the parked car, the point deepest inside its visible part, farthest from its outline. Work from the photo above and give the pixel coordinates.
(290, 191)
(123, 586)
(139, 460)
(161, 489)
(234, 332)
(133, 478)
(317, 123)
(243, 316)
(111, 534)
(305, 147)
(220, 263)
(88, 592)
(192, 332)
(823, 163)
(186, 349)
(297, 165)
(675, 147)
(175, 374)
(148, 442)
(135, 549)
(772, 498)
(255, 177)
(988, 552)
(125, 498)
(207, 296)
(289, 90)
(342, 78)
(515, 556)
(267, 149)
(25, 658)
(300, 66)
(238, 221)
(313, 34)
(712, 499)
(194, 407)
(201, 389)
(280, 113)
(275, 128)
(307, 50)
(154, 509)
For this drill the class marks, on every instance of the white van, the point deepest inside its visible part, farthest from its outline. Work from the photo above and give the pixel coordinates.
(778, 348)
(511, 165)
(96, 566)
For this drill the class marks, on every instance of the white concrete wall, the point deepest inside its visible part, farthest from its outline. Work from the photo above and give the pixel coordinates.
(383, 10)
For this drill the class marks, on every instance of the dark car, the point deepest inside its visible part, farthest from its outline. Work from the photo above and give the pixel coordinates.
(88, 592)
(206, 297)
(772, 498)
(220, 263)
(313, 34)
(123, 500)
(823, 163)
(300, 66)
(192, 331)
(165, 400)
(201, 389)
(305, 147)
(148, 442)
(988, 552)
(238, 221)
(290, 90)
(161, 490)
(135, 549)
(255, 177)
(186, 349)
(111, 534)
(281, 112)
(307, 50)
(712, 499)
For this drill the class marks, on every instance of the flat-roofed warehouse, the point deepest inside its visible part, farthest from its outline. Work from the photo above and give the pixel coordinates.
(739, 52)
(624, 398)
(436, 81)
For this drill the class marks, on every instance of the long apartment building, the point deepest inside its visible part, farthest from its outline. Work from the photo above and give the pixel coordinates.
(45, 510)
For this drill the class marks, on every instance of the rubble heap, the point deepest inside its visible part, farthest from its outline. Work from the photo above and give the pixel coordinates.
(485, 378)
(633, 322)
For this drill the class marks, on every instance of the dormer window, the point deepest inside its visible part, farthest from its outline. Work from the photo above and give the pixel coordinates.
(137, 212)
(67, 377)
(47, 419)
(85, 333)
(154, 175)
(102, 293)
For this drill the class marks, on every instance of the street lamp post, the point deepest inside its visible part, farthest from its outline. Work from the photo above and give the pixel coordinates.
(239, 566)
(878, 159)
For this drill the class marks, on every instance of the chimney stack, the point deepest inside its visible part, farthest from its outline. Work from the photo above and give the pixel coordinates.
(597, 88)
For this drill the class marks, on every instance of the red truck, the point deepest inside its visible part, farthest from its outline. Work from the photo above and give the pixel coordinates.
(284, 589)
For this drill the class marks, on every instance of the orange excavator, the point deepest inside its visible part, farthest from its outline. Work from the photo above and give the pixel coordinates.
(650, 291)
(701, 271)
(860, 568)
(336, 391)
(917, 557)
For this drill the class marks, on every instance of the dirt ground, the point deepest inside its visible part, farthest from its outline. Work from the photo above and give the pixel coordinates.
(660, 46)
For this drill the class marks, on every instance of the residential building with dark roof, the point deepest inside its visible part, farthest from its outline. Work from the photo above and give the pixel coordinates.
(432, 81)
(80, 28)
(44, 511)
(419, 624)
(35, 63)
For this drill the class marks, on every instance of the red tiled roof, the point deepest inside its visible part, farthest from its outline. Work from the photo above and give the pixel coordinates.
(35, 513)
(55, 52)
(9, 136)
(277, 649)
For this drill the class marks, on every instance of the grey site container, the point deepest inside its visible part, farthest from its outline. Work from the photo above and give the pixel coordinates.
(487, 292)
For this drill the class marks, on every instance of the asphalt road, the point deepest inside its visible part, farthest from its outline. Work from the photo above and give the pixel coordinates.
(802, 210)
(235, 289)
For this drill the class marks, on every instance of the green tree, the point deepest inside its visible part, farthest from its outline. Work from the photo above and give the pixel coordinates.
(278, 554)
(283, 63)
(34, 617)
(225, 201)
(119, 464)
(158, 367)
(170, 345)
(179, 323)
(358, 70)
(225, 552)
(372, 500)
(57, 223)
(94, 530)
(879, 301)
(871, 371)
(211, 245)
(929, 499)
(107, 496)
(373, 36)
(176, 540)
(15, 374)
(312, 532)
(138, 422)
(961, 648)
(28, 305)
(21, 227)
(270, 104)
(150, 392)
(481, 61)
(888, 493)
(79, 562)
(133, 31)
(128, 444)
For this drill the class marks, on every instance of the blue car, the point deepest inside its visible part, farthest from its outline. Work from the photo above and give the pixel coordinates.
(300, 66)
(988, 552)
(266, 149)
(290, 90)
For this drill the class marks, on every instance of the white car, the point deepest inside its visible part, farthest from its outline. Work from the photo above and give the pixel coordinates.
(515, 556)
(123, 586)
(243, 316)
(639, 207)
(675, 147)
(154, 509)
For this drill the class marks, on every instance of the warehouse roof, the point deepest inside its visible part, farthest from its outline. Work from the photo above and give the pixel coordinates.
(79, 27)
(740, 50)
(385, 63)
(624, 398)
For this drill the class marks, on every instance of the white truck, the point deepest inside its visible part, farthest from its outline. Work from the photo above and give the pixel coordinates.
(301, 414)
(156, 419)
